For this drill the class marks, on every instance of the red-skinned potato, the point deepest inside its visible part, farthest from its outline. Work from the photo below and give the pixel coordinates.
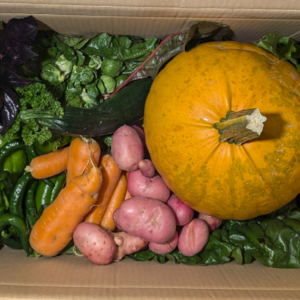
(212, 222)
(127, 244)
(140, 186)
(193, 237)
(182, 212)
(127, 148)
(165, 248)
(141, 133)
(147, 218)
(95, 243)
(147, 168)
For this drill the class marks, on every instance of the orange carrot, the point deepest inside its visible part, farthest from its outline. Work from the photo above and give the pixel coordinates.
(79, 156)
(50, 164)
(111, 174)
(54, 230)
(115, 201)
(127, 196)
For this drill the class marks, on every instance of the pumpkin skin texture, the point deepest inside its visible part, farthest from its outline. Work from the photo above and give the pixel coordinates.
(194, 91)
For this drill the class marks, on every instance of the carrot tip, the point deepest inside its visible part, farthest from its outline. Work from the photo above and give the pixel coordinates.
(29, 169)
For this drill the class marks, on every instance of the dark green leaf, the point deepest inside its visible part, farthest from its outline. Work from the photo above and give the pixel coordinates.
(284, 48)
(118, 48)
(70, 40)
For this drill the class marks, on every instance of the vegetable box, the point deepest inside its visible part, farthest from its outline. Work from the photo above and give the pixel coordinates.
(72, 277)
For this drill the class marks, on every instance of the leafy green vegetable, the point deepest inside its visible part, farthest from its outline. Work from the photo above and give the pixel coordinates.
(89, 95)
(64, 65)
(95, 62)
(120, 48)
(52, 74)
(174, 44)
(109, 83)
(282, 47)
(273, 240)
(111, 67)
(34, 96)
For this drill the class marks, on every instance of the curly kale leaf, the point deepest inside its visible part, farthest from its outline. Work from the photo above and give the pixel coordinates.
(37, 97)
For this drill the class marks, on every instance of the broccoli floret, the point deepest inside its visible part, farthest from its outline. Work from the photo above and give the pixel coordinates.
(34, 96)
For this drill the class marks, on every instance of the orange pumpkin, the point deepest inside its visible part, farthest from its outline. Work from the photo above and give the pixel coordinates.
(220, 172)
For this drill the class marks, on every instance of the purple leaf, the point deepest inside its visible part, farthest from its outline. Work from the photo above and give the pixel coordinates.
(8, 111)
(22, 30)
(20, 53)
(1, 100)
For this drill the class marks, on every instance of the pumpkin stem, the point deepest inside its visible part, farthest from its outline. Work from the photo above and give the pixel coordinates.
(241, 126)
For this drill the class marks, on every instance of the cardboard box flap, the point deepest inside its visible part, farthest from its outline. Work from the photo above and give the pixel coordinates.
(158, 18)
(61, 277)
(169, 9)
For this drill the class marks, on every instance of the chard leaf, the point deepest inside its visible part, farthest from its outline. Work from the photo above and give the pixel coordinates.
(174, 44)
(70, 40)
(284, 48)
(118, 48)
(269, 42)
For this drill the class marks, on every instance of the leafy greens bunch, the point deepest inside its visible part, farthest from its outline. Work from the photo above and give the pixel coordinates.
(83, 71)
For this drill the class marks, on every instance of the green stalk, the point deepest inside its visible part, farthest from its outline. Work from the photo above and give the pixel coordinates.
(240, 127)
(36, 114)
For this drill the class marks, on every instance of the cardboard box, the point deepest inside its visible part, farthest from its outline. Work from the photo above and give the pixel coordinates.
(71, 277)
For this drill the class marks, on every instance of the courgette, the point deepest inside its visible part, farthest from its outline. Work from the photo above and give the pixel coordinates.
(125, 107)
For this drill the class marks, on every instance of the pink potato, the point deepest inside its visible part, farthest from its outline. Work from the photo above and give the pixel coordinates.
(127, 244)
(147, 168)
(141, 133)
(182, 212)
(193, 237)
(165, 248)
(140, 186)
(95, 243)
(212, 222)
(147, 218)
(127, 148)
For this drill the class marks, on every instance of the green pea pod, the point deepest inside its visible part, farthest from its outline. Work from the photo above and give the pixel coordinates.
(30, 152)
(11, 232)
(5, 199)
(30, 207)
(48, 182)
(47, 147)
(8, 149)
(16, 199)
(20, 227)
(59, 181)
(12, 242)
(6, 184)
(42, 195)
(2, 205)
